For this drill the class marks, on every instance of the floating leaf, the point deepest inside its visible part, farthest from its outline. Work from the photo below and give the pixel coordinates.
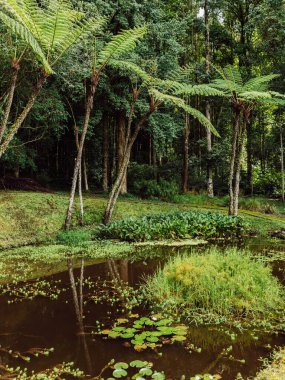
(138, 364)
(152, 339)
(158, 376)
(122, 320)
(120, 372)
(121, 365)
(178, 338)
(146, 371)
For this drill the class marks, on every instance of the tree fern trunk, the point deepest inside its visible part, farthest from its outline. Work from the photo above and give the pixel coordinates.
(233, 161)
(88, 109)
(21, 118)
(15, 71)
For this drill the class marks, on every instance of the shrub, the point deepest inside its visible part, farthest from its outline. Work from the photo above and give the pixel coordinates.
(165, 190)
(215, 285)
(180, 225)
(257, 204)
(73, 237)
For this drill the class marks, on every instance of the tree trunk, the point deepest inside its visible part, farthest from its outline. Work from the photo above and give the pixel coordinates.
(210, 185)
(121, 145)
(249, 158)
(105, 154)
(282, 166)
(233, 161)
(123, 170)
(21, 118)
(238, 165)
(85, 173)
(88, 110)
(185, 170)
(15, 71)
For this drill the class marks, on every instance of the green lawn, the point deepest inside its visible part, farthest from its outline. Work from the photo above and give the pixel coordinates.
(34, 218)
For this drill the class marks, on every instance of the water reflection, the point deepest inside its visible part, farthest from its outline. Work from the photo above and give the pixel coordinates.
(78, 301)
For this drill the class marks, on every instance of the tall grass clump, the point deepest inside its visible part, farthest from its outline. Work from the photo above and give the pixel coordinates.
(215, 286)
(179, 225)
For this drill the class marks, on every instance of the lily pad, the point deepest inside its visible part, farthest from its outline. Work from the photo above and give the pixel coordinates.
(120, 372)
(138, 364)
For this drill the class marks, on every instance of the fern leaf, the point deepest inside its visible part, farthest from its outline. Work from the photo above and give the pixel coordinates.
(180, 103)
(121, 44)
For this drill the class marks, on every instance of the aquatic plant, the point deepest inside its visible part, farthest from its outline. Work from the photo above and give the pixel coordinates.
(181, 225)
(274, 369)
(137, 369)
(55, 373)
(215, 286)
(147, 332)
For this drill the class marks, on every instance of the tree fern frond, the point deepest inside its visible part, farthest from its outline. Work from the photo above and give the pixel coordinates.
(20, 30)
(121, 43)
(263, 81)
(201, 89)
(180, 103)
(133, 68)
(254, 95)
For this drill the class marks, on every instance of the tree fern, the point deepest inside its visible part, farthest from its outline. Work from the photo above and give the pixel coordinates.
(121, 44)
(180, 103)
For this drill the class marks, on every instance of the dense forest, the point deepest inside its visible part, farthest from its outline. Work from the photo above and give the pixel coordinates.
(233, 52)
(142, 189)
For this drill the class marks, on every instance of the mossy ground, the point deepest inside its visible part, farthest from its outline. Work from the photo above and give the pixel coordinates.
(33, 218)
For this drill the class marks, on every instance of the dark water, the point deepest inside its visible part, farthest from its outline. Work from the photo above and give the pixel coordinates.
(47, 323)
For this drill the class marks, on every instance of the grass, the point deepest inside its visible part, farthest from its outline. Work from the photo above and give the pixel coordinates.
(34, 218)
(274, 370)
(216, 285)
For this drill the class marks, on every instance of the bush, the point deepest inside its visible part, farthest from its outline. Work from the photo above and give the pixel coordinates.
(73, 237)
(257, 204)
(215, 285)
(180, 225)
(164, 190)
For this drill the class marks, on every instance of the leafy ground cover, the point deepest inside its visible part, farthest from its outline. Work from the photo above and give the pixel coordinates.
(216, 286)
(182, 225)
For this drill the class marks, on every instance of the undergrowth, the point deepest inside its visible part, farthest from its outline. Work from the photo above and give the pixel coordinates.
(179, 225)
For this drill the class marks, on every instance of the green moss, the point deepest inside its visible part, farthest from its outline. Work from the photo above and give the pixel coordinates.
(215, 285)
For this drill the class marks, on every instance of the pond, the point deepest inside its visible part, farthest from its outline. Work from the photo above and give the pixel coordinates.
(53, 320)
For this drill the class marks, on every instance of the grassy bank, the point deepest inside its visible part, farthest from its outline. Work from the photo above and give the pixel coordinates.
(274, 370)
(33, 218)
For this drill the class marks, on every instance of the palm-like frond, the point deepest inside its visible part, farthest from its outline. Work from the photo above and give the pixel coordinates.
(121, 44)
(50, 29)
(180, 103)
(28, 37)
(254, 95)
(258, 83)
(132, 68)
(200, 89)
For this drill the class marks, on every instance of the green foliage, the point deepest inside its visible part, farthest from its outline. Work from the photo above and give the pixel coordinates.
(216, 285)
(137, 369)
(147, 332)
(73, 237)
(162, 189)
(180, 225)
(275, 369)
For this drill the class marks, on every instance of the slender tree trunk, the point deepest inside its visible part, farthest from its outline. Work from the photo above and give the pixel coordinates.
(249, 158)
(88, 110)
(210, 185)
(15, 71)
(81, 204)
(282, 166)
(233, 161)
(123, 169)
(121, 145)
(85, 173)
(238, 165)
(185, 170)
(21, 118)
(105, 154)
